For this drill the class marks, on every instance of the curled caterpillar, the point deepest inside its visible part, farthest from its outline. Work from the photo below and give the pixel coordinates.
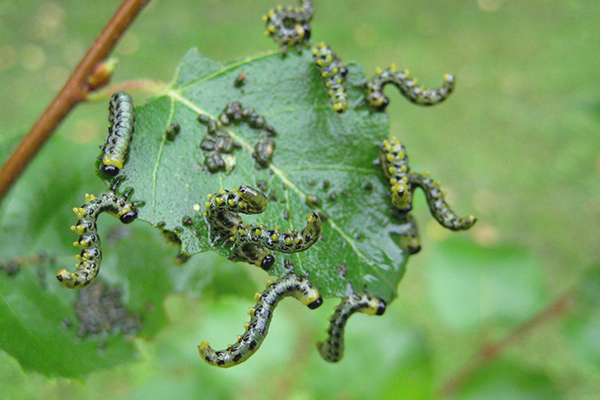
(252, 243)
(262, 313)
(332, 349)
(89, 240)
(407, 86)
(288, 26)
(333, 73)
(121, 116)
(437, 203)
(394, 162)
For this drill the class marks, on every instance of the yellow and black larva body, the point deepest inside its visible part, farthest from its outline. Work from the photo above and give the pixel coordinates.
(89, 241)
(121, 116)
(288, 26)
(252, 243)
(409, 235)
(333, 74)
(437, 203)
(332, 349)
(261, 315)
(403, 181)
(408, 88)
(394, 162)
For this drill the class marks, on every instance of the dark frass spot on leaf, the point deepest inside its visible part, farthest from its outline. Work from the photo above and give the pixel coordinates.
(99, 309)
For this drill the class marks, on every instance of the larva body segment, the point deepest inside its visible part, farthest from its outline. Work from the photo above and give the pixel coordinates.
(333, 74)
(408, 88)
(122, 126)
(261, 315)
(332, 349)
(288, 26)
(89, 241)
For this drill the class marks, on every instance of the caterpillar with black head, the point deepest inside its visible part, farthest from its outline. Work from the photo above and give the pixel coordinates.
(252, 243)
(261, 315)
(333, 73)
(121, 116)
(332, 349)
(394, 162)
(89, 240)
(288, 26)
(408, 88)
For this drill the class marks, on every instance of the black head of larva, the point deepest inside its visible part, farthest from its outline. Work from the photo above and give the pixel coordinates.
(129, 216)
(383, 105)
(343, 71)
(306, 28)
(110, 170)
(267, 262)
(315, 304)
(381, 307)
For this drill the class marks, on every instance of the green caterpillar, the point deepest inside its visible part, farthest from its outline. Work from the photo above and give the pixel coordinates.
(394, 162)
(250, 243)
(288, 26)
(408, 88)
(333, 73)
(89, 240)
(121, 116)
(262, 313)
(332, 349)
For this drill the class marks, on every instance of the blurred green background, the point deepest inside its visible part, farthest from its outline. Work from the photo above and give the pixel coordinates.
(517, 144)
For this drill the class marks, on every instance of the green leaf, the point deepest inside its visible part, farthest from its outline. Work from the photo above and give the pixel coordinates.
(359, 247)
(582, 326)
(34, 330)
(471, 285)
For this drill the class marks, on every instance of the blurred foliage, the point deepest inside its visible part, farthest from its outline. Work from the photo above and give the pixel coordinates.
(517, 142)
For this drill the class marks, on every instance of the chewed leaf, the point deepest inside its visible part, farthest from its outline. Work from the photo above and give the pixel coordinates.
(321, 162)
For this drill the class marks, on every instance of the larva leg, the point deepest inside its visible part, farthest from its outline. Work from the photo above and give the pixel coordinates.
(89, 240)
(437, 203)
(394, 162)
(288, 26)
(333, 74)
(408, 88)
(332, 349)
(261, 315)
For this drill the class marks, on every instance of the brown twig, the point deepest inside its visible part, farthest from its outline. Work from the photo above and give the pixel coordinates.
(490, 351)
(71, 94)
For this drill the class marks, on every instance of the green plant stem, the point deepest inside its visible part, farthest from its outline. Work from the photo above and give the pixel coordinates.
(72, 93)
(490, 351)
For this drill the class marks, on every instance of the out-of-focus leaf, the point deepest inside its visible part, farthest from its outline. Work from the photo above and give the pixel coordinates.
(470, 285)
(507, 381)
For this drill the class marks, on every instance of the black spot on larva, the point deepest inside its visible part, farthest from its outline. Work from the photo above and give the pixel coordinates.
(316, 304)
